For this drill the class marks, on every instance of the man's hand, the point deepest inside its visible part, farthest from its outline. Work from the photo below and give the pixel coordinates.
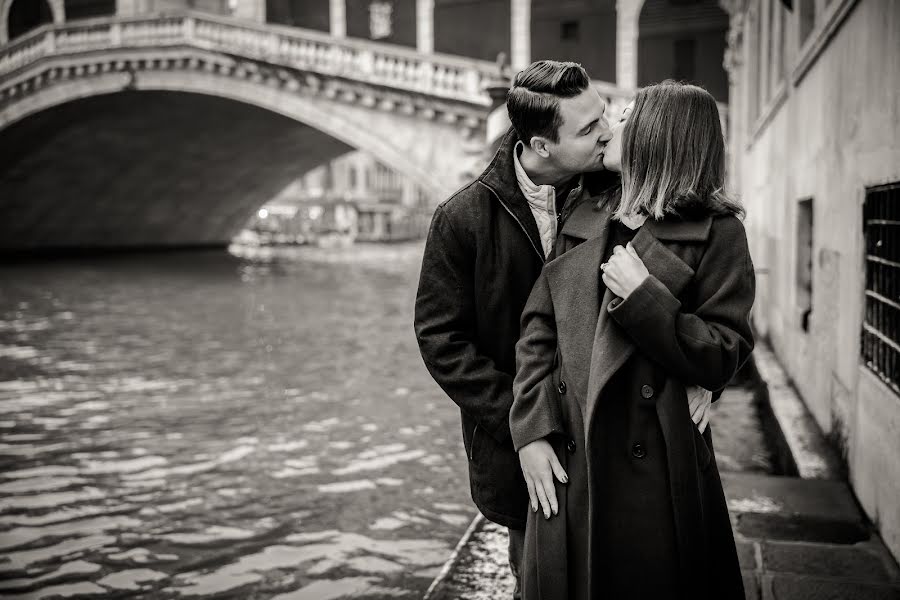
(699, 403)
(624, 271)
(540, 465)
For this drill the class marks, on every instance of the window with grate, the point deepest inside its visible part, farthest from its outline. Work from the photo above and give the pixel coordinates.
(881, 327)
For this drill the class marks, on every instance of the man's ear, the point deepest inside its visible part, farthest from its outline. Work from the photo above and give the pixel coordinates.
(540, 146)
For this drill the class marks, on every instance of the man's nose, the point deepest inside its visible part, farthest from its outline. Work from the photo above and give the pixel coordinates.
(605, 135)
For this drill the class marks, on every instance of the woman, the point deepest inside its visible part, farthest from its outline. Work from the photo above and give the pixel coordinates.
(660, 300)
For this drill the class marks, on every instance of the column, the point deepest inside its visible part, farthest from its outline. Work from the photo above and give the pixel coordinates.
(520, 39)
(338, 12)
(425, 26)
(628, 13)
(58, 8)
(498, 122)
(127, 8)
(252, 10)
(734, 61)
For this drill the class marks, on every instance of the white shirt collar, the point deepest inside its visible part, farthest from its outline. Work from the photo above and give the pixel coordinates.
(534, 193)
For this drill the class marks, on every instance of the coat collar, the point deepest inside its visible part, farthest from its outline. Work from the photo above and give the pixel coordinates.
(591, 218)
(575, 279)
(676, 230)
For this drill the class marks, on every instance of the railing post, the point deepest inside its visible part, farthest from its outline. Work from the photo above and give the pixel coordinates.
(366, 61)
(426, 75)
(115, 34)
(50, 42)
(188, 28)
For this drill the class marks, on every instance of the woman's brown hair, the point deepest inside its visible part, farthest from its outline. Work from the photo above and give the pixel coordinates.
(673, 155)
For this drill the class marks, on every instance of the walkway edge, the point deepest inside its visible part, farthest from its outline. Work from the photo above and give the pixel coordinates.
(800, 435)
(451, 562)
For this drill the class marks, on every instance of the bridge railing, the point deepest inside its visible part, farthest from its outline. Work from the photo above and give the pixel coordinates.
(387, 65)
(438, 75)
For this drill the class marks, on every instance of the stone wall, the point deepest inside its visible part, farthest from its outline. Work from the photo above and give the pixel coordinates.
(828, 135)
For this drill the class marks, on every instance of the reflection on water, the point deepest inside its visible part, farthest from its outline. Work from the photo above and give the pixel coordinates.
(199, 424)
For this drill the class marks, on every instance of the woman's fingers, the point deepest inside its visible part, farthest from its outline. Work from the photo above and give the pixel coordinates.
(696, 406)
(705, 421)
(630, 249)
(532, 494)
(543, 499)
(558, 470)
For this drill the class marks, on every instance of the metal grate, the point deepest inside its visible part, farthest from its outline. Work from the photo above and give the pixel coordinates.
(881, 327)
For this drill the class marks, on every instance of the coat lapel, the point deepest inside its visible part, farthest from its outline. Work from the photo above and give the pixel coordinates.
(575, 285)
(612, 347)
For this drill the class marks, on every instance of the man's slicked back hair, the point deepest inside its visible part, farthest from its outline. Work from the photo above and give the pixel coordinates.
(533, 98)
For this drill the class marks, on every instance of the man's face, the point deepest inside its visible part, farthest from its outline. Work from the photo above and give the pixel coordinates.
(582, 135)
(612, 156)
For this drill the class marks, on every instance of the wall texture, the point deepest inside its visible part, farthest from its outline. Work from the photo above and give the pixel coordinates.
(834, 135)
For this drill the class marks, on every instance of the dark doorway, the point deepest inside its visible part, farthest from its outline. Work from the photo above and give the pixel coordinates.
(25, 15)
(85, 9)
(683, 40)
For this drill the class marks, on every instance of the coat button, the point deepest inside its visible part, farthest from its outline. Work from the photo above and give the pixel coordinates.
(646, 391)
(561, 387)
(638, 450)
(571, 446)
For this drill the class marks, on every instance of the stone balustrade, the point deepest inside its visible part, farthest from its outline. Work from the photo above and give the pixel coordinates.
(441, 76)
(438, 76)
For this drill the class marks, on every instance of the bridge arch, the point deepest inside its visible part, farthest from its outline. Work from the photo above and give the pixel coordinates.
(427, 151)
(383, 135)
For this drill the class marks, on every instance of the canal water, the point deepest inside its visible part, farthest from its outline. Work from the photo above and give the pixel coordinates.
(249, 425)
(204, 424)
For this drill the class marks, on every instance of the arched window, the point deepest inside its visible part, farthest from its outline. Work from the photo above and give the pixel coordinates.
(25, 15)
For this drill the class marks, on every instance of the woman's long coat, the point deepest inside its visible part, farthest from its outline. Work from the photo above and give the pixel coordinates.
(686, 324)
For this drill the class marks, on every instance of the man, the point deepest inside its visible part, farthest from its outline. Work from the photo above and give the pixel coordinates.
(487, 244)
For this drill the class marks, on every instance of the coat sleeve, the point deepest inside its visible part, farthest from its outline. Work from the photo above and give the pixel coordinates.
(535, 411)
(707, 346)
(445, 330)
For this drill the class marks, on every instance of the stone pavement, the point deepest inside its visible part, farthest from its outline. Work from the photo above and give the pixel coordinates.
(797, 538)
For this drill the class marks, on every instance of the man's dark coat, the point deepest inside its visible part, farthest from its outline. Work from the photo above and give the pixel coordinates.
(687, 322)
(482, 256)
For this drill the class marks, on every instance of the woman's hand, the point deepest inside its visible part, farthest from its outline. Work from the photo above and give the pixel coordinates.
(624, 272)
(540, 465)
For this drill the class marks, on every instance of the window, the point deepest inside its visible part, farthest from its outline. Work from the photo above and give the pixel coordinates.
(25, 15)
(685, 59)
(569, 30)
(881, 326)
(807, 16)
(804, 266)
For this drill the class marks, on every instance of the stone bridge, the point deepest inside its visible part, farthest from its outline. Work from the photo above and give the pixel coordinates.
(172, 129)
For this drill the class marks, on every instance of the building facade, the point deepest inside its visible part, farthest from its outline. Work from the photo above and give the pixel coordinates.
(816, 159)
